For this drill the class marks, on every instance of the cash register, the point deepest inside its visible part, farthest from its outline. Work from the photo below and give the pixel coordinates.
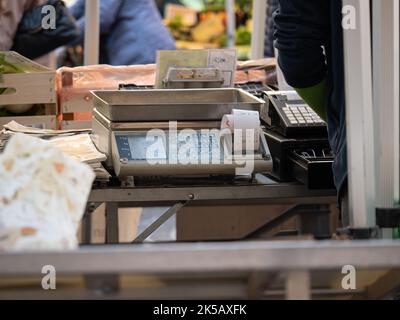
(298, 140)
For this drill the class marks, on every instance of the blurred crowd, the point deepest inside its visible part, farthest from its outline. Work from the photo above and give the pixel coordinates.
(131, 32)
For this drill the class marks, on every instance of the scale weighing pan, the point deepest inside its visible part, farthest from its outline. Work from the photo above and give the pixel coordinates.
(173, 104)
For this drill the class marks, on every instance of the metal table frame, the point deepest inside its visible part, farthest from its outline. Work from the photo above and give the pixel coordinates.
(177, 197)
(217, 270)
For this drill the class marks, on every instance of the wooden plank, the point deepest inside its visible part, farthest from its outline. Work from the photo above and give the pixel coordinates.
(298, 285)
(42, 122)
(387, 283)
(30, 88)
(226, 222)
(75, 101)
(74, 125)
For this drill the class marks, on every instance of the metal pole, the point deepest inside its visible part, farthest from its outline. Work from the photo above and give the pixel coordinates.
(112, 223)
(298, 285)
(159, 222)
(359, 114)
(231, 19)
(92, 32)
(258, 35)
(386, 100)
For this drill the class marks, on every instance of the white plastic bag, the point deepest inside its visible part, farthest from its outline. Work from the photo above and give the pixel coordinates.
(43, 195)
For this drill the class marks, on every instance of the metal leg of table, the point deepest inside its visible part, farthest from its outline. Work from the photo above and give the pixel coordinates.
(298, 285)
(159, 222)
(86, 231)
(258, 283)
(316, 222)
(103, 285)
(112, 223)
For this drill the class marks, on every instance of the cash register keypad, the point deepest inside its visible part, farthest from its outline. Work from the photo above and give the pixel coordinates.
(302, 114)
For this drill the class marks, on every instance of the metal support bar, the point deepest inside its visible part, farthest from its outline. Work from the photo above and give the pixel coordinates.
(275, 193)
(92, 32)
(358, 233)
(258, 34)
(103, 285)
(86, 231)
(219, 257)
(315, 220)
(321, 293)
(298, 285)
(270, 225)
(386, 100)
(112, 223)
(258, 283)
(231, 27)
(159, 222)
(359, 115)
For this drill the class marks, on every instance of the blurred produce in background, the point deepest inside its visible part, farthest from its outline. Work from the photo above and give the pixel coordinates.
(194, 24)
(5, 110)
(197, 24)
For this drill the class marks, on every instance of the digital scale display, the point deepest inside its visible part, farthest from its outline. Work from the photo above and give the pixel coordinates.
(140, 148)
(193, 146)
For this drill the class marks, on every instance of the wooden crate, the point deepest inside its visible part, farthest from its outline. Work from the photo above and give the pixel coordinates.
(35, 87)
(74, 86)
(73, 121)
(76, 125)
(40, 122)
(75, 102)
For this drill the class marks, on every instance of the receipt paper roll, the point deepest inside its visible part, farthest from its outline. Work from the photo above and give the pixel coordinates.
(245, 126)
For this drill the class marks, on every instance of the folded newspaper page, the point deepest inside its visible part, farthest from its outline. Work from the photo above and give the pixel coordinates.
(16, 127)
(80, 147)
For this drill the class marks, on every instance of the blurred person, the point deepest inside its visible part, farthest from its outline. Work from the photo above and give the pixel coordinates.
(11, 13)
(131, 31)
(272, 6)
(309, 38)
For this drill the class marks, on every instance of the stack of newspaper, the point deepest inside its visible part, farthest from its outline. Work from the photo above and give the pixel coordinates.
(76, 143)
(3, 140)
